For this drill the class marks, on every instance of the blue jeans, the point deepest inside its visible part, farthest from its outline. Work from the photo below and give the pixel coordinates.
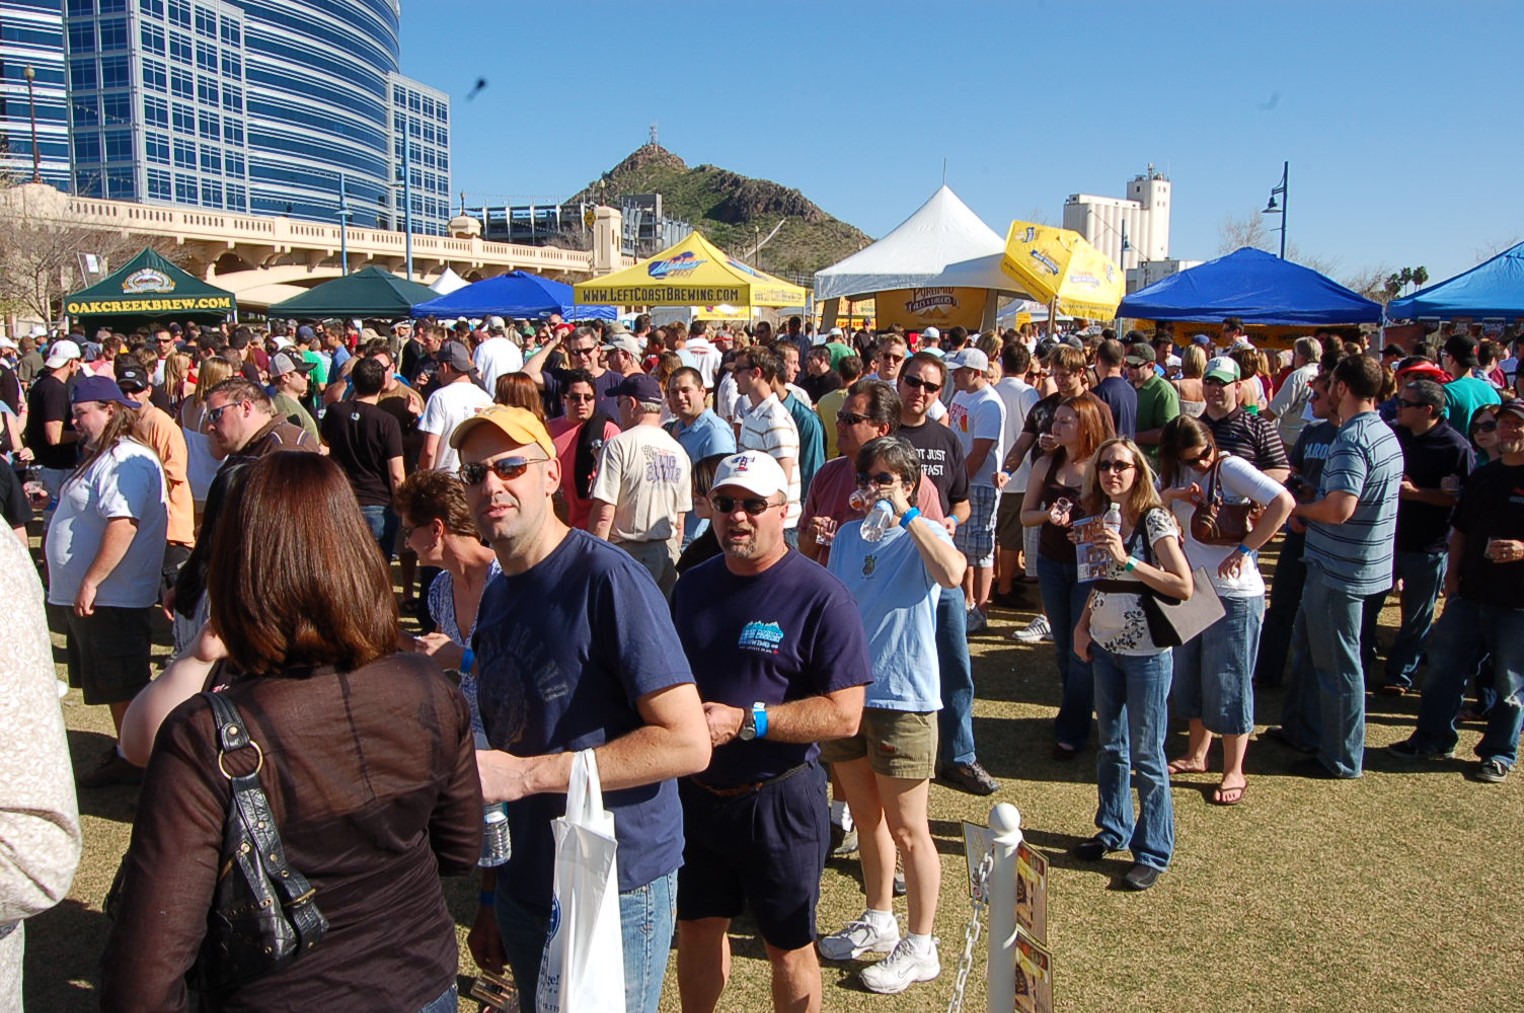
(1280, 612)
(448, 1002)
(955, 721)
(1214, 671)
(1464, 625)
(647, 915)
(1333, 701)
(383, 526)
(1422, 575)
(1132, 720)
(1063, 599)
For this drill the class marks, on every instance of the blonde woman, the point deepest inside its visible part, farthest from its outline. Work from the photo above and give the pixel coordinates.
(203, 464)
(1192, 368)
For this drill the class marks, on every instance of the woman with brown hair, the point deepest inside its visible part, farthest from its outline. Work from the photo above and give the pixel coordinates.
(368, 765)
(519, 390)
(1080, 425)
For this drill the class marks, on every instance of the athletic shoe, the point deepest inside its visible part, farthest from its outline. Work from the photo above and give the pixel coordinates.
(1409, 749)
(859, 937)
(900, 889)
(1491, 771)
(901, 969)
(1092, 849)
(1141, 877)
(977, 621)
(969, 778)
(843, 842)
(1036, 631)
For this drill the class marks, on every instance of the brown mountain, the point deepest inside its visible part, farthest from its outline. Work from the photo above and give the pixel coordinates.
(731, 210)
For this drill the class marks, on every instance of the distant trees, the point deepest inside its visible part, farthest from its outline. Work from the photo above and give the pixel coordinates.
(1398, 281)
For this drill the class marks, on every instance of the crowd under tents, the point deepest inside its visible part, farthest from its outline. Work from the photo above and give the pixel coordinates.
(694, 272)
(146, 290)
(370, 293)
(517, 294)
(1494, 289)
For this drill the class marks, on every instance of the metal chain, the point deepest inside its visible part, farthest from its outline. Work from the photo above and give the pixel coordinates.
(978, 903)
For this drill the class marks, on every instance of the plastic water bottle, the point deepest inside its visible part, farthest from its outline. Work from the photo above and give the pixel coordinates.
(1113, 518)
(497, 847)
(878, 522)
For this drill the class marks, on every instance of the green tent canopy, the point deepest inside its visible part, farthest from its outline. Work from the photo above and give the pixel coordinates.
(149, 288)
(371, 292)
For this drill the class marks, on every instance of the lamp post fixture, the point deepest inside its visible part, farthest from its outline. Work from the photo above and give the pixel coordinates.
(343, 225)
(31, 103)
(1280, 209)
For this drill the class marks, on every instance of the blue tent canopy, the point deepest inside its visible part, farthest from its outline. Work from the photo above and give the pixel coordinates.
(1255, 286)
(1494, 288)
(515, 294)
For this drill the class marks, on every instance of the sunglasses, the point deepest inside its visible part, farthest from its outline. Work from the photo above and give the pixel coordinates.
(753, 505)
(849, 418)
(916, 383)
(581, 351)
(881, 479)
(214, 415)
(1404, 402)
(1196, 461)
(580, 397)
(1485, 427)
(505, 468)
(1107, 467)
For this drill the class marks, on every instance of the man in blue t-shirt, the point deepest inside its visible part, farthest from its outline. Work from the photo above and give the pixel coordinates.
(1351, 535)
(779, 652)
(573, 650)
(697, 429)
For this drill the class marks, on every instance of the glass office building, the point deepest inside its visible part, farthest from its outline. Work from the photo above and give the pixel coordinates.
(31, 35)
(279, 107)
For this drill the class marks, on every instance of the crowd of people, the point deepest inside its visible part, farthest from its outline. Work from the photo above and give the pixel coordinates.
(742, 565)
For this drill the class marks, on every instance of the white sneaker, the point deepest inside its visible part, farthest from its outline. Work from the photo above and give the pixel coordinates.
(859, 937)
(901, 969)
(976, 621)
(1036, 631)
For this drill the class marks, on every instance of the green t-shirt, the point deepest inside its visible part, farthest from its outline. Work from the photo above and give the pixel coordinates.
(319, 375)
(1158, 402)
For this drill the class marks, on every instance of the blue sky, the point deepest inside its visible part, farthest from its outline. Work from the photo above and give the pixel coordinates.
(1402, 121)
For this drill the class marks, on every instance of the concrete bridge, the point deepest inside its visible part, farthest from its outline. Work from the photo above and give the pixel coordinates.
(263, 260)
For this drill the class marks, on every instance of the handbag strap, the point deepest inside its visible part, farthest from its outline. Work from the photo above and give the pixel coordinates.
(1214, 481)
(254, 811)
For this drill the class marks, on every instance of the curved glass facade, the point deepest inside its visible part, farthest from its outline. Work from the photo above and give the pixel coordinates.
(284, 107)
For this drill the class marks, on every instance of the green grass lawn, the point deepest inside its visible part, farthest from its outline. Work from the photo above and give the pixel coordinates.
(1394, 892)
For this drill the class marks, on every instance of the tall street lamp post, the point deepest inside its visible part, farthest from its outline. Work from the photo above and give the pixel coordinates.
(31, 103)
(1273, 209)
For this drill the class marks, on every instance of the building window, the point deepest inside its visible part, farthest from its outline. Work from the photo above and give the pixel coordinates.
(232, 66)
(181, 83)
(235, 166)
(118, 108)
(155, 111)
(118, 146)
(207, 91)
(185, 189)
(113, 34)
(87, 111)
(78, 8)
(152, 8)
(238, 198)
(211, 159)
(185, 119)
(154, 77)
(81, 36)
(159, 185)
(206, 23)
(113, 6)
(82, 75)
(115, 72)
(179, 47)
(153, 39)
(180, 13)
(157, 147)
(211, 194)
(121, 184)
(206, 56)
(209, 125)
(185, 154)
(87, 146)
(232, 98)
(232, 132)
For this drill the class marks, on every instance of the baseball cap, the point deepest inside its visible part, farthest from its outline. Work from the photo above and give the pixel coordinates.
(835, 332)
(1423, 371)
(61, 352)
(92, 351)
(7, 342)
(494, 323)
(641, 387)
(752, 470)
(1393, 350)
(969, 358)
(1140, 353)
(623, 343)
(130, 376)
(457, 356)
(1222, 368)
(931, 332)
(1513, 406)
(305, 333)
(283, 342)
(518, 424)
(1073, 341)
(1205, 340)
(99, 388)
(1045, 348)
(290, 362)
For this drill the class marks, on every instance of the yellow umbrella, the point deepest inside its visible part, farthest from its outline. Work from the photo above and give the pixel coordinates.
(692, 273)
(1058, 265)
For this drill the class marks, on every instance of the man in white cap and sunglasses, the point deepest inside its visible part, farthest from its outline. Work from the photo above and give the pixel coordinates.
(574, 649)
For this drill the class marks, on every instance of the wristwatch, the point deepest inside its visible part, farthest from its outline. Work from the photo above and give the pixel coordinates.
(754, 724)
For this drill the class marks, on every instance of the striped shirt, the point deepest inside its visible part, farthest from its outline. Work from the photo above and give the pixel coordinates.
(1366, 462)
(770, 428)
(1251, 437)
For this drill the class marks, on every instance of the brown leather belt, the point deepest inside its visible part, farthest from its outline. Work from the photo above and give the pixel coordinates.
(738, 790)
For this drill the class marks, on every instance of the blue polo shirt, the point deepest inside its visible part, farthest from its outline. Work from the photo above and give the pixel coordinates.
(707, 435)
(1366, 462)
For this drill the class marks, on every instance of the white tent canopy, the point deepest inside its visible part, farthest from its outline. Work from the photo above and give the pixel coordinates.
(942, 245)
(448, 282)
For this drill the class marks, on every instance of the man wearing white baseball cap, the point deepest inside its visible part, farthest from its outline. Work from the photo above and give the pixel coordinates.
(497, 356)
(977, 415)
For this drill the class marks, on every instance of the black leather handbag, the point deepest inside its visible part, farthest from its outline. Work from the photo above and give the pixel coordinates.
(264, 916)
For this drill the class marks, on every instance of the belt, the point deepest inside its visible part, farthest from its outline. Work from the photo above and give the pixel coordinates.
(738, 790)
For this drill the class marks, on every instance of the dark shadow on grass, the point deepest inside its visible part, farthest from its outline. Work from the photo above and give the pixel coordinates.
(118, 803)
(62, 966)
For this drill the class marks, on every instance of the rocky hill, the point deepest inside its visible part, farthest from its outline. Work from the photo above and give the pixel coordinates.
(730, 209)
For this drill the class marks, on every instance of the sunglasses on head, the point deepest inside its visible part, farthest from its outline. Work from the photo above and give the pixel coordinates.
(881, 478)
(1106, 467)
(916, 383)
(505, 468)
(753, 505)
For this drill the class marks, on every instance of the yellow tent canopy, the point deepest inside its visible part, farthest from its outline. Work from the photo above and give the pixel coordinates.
(694, 272)
(1053, 264)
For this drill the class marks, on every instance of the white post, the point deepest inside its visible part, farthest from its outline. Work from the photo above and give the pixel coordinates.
(1000, 969)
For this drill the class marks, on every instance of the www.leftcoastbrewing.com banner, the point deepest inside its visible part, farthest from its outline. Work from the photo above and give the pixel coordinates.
(145, 307)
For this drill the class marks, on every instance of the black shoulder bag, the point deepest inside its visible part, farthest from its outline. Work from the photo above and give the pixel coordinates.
(263, 914)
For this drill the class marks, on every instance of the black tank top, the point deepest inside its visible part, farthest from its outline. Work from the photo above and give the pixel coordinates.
(1053, 542)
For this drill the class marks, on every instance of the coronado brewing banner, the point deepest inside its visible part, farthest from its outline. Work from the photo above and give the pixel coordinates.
(915, 308)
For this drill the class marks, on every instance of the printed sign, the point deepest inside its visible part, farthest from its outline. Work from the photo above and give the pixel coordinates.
(917, 308)
(1032, 891)
(1034, 975)
(977, 841)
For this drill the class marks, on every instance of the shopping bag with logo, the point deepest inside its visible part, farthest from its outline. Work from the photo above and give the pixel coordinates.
(583, 966)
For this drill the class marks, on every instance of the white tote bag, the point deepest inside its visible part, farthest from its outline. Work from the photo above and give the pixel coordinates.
(583, 967)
